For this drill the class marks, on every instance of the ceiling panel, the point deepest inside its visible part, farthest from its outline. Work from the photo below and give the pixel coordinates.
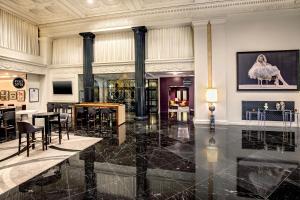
(48, 11)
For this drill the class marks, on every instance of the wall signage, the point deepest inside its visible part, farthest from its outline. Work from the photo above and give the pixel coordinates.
(18, 83)
(187, 82)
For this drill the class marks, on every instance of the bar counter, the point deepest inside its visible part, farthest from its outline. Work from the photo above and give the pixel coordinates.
(120, 109)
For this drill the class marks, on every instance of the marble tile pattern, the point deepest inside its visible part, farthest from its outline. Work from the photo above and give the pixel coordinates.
(176, 160)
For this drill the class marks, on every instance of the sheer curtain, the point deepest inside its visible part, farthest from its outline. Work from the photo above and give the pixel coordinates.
(114, 47)
(171, 42)
(68, 50)
(17, 34)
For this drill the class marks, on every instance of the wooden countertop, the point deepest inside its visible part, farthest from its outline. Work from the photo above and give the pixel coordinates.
(93, 104)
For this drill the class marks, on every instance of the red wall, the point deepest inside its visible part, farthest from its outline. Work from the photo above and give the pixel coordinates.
(165, 83)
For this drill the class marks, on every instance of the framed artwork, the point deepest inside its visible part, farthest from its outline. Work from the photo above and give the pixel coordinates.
(21, 95)
(12, 95)
(257, 178)
(33, 95)
(4, 95)
(268, 70)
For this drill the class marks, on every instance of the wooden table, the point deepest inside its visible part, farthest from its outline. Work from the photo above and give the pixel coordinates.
(120, 109)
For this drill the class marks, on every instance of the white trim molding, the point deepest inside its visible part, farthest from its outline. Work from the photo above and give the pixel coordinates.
(7, 63)
(167, 65)
(209, 9)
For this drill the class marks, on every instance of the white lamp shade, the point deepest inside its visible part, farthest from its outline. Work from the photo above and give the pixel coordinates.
(211, 95)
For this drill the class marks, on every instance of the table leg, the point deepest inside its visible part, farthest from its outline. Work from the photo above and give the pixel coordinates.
(33, 140)
(59, 129)
(33, 120)
(47, 131)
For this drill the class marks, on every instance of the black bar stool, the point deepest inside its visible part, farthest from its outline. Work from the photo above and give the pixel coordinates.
(80, 117)
(64, 121)
(26, 127)
(92, 118)
(8, 124)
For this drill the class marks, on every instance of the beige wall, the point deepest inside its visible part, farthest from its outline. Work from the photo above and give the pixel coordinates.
(8, 85)
(33, 81)
(245, 32)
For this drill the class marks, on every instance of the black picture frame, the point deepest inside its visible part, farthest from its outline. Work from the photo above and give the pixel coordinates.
(34, 95)
(286, 61)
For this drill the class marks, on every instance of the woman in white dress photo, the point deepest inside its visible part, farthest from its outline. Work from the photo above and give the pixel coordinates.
(262, 70)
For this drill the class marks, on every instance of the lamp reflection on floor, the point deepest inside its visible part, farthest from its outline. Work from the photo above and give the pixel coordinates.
(212, 158)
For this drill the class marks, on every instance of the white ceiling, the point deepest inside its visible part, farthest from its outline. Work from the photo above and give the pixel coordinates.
(49, 11)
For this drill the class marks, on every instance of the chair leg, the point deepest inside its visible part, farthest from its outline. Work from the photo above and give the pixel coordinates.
(20, 142)
(50, 133)
(67, 127)
(33, 141)
(27, 146)
(43, 140)
(6, 138)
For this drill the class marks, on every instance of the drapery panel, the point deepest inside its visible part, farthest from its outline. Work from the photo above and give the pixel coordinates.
(114, 47)
(68, 50)
(170, 43)
(17, 34)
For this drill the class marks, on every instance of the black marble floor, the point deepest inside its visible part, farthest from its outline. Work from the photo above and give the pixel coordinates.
(161, 159)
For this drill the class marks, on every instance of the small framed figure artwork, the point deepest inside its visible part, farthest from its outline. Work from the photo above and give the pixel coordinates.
(21, 95)
(4, 95)
(12, 95)
(268, 70)
(33, 95)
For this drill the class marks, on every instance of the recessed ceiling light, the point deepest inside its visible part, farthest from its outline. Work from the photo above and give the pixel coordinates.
(90, 1)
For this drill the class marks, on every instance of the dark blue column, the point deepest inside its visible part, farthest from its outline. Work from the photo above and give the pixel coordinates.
(88, 58)
(140, 99)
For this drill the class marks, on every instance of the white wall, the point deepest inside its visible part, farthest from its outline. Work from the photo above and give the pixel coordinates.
(68, 74)
(247, 32)
(36, 81)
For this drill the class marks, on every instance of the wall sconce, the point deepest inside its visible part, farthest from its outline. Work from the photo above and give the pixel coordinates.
(211, 98)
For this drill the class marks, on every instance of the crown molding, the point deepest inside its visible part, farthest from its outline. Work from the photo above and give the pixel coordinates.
(18, 65)
(158, 16)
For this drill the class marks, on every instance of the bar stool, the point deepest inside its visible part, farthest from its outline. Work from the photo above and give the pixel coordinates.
(26, 127)
(50, 107)
(106, 119)
(64, 121)
(8, 124)
(92, 118)
(80, 117)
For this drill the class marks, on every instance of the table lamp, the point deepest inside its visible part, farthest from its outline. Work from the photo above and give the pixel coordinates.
(211, 98)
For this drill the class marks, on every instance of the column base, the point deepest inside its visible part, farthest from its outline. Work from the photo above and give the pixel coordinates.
(141, 118)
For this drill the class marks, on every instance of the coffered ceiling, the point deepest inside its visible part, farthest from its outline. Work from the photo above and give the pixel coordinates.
(50, 11)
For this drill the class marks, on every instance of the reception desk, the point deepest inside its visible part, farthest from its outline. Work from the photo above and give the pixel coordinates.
(120, 109)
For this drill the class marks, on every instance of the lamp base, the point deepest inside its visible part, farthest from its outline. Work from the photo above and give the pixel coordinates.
(212, 123)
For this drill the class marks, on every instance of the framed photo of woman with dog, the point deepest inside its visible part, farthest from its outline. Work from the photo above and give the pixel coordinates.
(268, 70)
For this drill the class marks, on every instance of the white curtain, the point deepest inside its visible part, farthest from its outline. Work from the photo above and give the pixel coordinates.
(170, 43)
(68, 50)
(114, 47)
(18, 34)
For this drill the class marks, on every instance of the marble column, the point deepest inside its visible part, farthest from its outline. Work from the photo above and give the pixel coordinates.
(46, 44)
(88, 58)
(140, 84)
(201, 71)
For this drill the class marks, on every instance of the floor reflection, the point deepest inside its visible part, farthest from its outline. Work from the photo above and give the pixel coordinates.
(166, 159)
